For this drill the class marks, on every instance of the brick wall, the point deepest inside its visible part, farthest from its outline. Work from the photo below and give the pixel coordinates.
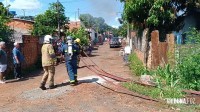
(30, 48)
(159, 50)
(140, 55)
(158, 54)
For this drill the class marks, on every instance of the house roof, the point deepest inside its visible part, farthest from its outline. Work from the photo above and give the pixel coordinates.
(74, 24)
(24, 20)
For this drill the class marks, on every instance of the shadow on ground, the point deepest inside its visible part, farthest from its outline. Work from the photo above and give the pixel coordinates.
(79, 82)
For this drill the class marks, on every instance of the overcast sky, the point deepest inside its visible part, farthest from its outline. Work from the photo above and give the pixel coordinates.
(110, 10)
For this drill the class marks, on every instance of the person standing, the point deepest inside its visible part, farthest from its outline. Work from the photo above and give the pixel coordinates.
(70, 52)
(48, 63)
(18, 58)
(127, 52)
(3, 61)
(77, 43)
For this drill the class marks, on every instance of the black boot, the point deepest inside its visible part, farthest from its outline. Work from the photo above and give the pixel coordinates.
(42, 86)
(72, 84)
(75, 78)
(52, 87)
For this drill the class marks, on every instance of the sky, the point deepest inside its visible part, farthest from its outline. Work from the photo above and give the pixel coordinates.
(110, 10)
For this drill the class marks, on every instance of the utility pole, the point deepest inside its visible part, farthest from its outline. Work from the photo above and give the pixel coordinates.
(23, 12)
(128, 34)
(58, 16)
(7, 8)
(78, 13)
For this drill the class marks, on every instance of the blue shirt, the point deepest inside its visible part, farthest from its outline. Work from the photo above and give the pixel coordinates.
(19, 55)
(3, 57)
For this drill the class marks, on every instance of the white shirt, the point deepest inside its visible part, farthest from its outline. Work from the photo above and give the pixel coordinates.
(127, 50)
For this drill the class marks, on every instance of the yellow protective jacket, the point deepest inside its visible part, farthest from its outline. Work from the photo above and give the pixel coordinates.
(48, 55)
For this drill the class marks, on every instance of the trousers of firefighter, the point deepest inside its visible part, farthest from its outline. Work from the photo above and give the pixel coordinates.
(71, 52)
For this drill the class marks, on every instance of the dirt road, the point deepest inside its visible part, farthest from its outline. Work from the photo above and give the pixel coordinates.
(88, 96)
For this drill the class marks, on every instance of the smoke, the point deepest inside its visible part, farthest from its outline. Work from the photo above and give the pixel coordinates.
(107, 9)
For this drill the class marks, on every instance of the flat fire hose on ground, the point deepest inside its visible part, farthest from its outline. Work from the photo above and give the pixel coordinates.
(101, 73)
(106, 74)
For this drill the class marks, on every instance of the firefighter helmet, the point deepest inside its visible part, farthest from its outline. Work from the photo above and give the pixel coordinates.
(78, 40)
(47, 38)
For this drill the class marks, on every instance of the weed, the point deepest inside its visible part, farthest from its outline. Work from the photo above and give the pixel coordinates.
(136, 65)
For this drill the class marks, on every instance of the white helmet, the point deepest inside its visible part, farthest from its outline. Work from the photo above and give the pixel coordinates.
(47, 38)
(69, 38)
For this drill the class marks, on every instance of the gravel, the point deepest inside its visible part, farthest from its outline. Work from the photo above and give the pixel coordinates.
(37, 93)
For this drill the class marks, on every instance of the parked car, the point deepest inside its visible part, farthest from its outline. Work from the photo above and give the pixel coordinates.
(114, 42)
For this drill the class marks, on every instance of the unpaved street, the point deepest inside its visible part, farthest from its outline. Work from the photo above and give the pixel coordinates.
(88, 96)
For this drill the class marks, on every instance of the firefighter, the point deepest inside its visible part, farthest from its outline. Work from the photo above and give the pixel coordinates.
(70, 52)
(48, 62)
(77, 43)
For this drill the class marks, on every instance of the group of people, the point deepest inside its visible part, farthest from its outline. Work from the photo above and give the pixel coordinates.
(18, 59)
(70, 51)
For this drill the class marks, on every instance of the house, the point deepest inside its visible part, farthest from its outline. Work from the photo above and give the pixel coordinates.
(192, 19)
(77, 24)
(74, 25)
(20, 27)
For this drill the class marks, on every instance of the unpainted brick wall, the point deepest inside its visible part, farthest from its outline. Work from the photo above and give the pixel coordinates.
(140, 55)
(30, 48)
(158, 53)
(159, 50)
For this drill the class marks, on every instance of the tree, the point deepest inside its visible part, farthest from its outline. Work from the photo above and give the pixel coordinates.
(122, 30)
(81, 34)
(163, 15)
(47, 23)
(5, 32)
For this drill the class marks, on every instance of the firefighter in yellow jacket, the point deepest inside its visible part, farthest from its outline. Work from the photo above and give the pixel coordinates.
(48, 62)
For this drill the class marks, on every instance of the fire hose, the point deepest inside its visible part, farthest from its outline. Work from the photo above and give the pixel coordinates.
(101, 73)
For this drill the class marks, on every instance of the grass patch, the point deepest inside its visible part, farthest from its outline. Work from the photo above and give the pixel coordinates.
(185, 108)
(153, 92)
(136, 65)
(166, 92)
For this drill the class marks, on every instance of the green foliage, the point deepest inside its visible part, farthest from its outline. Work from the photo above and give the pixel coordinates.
(157, 14)
(81, 34)
(168, 76)
(188, 62)
(136, 65)
(122, 31)
(47, 23)
(190, 71)
(157, 93)
(5, 32)
(193, 36)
